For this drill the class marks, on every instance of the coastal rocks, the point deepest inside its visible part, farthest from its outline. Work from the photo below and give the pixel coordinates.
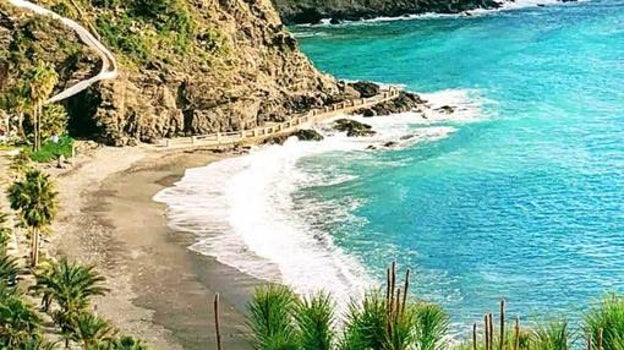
(353, 128)
(246, 70)
(446, 109)
(313, 11)
(366, 89)
(302, 135)
(405, 102)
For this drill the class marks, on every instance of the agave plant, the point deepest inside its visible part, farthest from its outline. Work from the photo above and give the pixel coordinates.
(605, 323)
(271, 318)
(8, 270)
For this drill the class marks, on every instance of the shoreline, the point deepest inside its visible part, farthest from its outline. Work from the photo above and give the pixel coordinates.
(160, 290)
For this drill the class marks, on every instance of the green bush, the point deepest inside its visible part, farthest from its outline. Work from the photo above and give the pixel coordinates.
(50, 151)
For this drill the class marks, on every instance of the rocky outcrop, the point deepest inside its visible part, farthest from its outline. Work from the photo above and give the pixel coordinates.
(313, 11)
(302, 135)
(234, 67)
(405, 102)
(353, 128)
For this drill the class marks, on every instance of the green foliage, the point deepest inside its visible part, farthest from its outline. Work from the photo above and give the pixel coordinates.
(271, 318)
(50, 150)
(119, 32)
(552, 336)
(432, 324)
(607, 315)
(34, 199)
(366, 324)
(19, 323)
(8, 270)
(315, 321)
(91, 331)
(54, 121)
(127, 342)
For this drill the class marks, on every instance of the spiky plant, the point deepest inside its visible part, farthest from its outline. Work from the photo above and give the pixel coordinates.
(553, 335)
(271, 319)
(91, 331)
(37, 343)
(366, 324)
(20, 163)
(315, 322)
(127, 342)
(432, 324)
(608, 316)
(19, 323)
(8, 270)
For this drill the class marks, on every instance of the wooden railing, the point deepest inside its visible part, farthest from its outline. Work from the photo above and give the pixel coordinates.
(253, 135)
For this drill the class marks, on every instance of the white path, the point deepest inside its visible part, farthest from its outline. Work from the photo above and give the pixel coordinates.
(109, 65)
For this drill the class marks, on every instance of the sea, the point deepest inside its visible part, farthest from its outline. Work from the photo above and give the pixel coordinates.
(517, 195)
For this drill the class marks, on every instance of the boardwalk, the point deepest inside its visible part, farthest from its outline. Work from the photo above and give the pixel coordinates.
(298, 122)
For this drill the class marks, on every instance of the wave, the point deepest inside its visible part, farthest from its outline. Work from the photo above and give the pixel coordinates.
(244, 213)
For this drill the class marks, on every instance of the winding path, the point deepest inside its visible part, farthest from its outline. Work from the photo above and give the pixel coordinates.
(109, 65)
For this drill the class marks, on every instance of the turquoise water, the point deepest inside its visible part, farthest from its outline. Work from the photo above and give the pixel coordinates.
(525, 204)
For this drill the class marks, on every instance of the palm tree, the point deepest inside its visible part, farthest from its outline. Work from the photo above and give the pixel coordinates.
(70, 286)
(20, 163)
(41, 82)
(53, 120)
(16, 102)
(271, 318)
(8, 270)
(90, 331)
(18, 321)
(34, 198)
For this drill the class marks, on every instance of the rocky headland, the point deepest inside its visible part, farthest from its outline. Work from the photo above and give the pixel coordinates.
(313, 11)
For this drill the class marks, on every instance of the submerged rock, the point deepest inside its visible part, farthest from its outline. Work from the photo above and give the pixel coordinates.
(446, 109)
(353, 128)
(302, 135)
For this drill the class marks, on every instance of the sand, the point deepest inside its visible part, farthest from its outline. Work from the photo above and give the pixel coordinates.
(161, 291)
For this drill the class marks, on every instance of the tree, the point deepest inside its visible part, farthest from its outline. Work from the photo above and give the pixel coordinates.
(35, 200)
(70, 286)
(19, 323)
(16, 102)
(53, 121)
(41, 81)
(90, 331)
(271, 318)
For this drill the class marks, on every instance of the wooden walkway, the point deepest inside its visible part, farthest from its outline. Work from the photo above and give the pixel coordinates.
(301, 121)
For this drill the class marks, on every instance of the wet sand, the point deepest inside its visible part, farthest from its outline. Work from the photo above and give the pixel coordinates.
(161, 291)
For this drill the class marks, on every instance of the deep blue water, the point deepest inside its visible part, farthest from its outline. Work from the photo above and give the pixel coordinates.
(525, 204)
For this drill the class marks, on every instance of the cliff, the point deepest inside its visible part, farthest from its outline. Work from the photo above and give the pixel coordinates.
(186, 66)
(312, 11)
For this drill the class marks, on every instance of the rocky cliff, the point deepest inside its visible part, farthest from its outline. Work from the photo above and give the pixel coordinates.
(312, 11)
(186, 66)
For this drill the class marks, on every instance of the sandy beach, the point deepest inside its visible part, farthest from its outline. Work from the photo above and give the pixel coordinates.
(161, 291)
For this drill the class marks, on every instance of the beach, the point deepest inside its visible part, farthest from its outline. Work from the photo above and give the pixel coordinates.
(160, 291)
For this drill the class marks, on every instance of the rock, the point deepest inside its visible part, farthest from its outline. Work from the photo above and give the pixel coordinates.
(366, 89)
(353, 128)
(446, 109)
(302, 135)
(390, 144)
(405, 102)
(334, 20)
(61, 162)
(371, 147)
(309, 135)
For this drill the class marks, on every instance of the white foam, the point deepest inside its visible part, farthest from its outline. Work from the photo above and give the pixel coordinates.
(243, 213)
